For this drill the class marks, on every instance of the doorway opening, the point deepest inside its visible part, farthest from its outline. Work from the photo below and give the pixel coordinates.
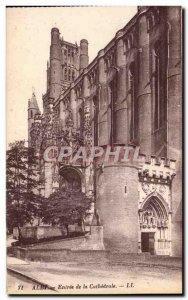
(70, 179)
(148, 242)
(154, 221)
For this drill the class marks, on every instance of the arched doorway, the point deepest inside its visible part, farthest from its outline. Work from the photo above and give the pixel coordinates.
(155, 231)
(70, 179)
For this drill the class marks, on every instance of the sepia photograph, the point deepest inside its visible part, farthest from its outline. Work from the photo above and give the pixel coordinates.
(94, 150)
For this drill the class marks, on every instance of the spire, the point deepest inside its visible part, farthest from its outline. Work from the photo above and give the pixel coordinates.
(32, 103)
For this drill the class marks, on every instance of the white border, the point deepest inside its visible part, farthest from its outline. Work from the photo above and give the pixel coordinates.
(3, 4)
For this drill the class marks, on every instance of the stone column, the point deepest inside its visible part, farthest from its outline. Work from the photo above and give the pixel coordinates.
(170, 231)
(87, 111)
(103, 103)
(85, 85)
(73, 104)
(55, 65)
(156, 242)
(121, 104)
(144, 90)
(174, 82)
(174, 114)
(84, 59)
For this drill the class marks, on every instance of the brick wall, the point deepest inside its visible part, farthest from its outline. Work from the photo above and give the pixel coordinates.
(118, 208)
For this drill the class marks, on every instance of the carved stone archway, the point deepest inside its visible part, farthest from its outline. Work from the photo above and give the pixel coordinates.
(155, 226)
(71, 178)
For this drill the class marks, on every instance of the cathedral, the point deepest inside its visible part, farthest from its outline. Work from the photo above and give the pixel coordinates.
(129, 95)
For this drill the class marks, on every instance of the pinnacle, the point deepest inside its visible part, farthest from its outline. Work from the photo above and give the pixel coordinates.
(32, 103)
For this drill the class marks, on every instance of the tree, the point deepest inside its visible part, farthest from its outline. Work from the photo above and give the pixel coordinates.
(66, 207)
(23, 200)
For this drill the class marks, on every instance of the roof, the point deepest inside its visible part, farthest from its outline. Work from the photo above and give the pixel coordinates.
(32, 103)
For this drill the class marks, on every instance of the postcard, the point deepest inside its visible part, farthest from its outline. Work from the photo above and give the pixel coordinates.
(94, 150)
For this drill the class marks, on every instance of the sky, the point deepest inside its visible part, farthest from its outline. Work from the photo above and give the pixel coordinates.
(28, 44)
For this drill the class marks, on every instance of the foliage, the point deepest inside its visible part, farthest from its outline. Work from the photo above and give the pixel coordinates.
(23, 200)
(66, 207)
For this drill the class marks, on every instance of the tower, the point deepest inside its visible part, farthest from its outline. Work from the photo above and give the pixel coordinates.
(55, 65)
(33, 109)
(67, 60)
(84, 59)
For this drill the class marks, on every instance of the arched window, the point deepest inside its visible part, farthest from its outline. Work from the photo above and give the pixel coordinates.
(126, 45)
(89, 81)
(80, 119)
(150, 22)
(157, 96)
(69, 75)
(92, 78)
(156, 17)
(73, 75)
(31, 114)
(65, 74)
(132, 79)
(106, 65)
(95, 119)
(131, 41)
(112, 102)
